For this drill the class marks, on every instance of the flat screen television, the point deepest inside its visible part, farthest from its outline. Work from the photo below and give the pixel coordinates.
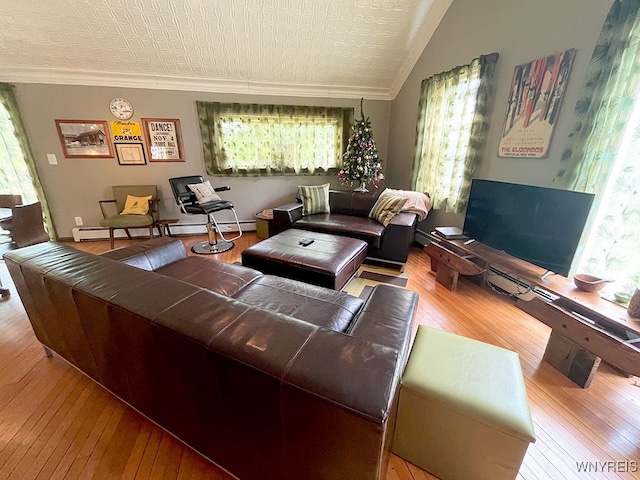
(536, 224)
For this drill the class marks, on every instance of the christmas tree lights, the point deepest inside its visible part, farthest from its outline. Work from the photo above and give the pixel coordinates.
(360, 160)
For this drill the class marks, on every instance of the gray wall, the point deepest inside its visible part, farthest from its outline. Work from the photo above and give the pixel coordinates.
(520, 31)
(74, 186)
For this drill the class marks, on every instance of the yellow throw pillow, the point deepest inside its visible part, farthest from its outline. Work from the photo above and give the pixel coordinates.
(136, 205)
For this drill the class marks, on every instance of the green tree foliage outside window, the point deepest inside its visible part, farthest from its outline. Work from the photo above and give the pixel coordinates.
(18, 173)
(602, 153)
(252, 139)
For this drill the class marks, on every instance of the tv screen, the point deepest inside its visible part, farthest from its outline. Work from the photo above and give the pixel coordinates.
(536, 224)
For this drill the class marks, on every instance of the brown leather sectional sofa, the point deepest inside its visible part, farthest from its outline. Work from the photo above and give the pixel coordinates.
(349, 217)
(269, 378)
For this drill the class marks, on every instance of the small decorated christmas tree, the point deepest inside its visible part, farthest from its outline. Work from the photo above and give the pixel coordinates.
(360, 160)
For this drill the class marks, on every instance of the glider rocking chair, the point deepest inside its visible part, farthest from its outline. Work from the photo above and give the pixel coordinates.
(197, 197)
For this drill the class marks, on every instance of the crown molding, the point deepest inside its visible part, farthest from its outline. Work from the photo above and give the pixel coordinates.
(158, 82)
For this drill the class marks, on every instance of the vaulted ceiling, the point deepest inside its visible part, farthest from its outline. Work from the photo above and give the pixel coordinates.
(319, 48)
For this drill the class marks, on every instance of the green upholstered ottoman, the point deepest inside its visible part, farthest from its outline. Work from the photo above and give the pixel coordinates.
(463, 411)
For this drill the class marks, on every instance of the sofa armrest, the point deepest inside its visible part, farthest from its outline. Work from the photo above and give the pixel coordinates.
(384, 317)
(150, 255)
(398, 237)
(285, 215)
(338, 400)
(404, 220)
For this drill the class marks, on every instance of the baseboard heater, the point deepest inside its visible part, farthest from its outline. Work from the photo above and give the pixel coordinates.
(81, 234)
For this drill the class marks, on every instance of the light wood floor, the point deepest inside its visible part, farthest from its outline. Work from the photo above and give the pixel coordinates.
(55, 423)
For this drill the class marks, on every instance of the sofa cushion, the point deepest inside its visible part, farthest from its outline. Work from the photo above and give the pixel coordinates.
(362, 228)
(352, 203)
(317, 305)
(149, 255)
(386, 207)
(220, 277)
(315, 199)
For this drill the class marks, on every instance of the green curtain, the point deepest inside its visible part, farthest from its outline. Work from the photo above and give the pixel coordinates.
(602, 155)
(606, 102)
(252, 139)
(18, 172)
(451, 131)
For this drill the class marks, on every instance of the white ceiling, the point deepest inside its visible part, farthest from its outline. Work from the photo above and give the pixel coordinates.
(320, 48)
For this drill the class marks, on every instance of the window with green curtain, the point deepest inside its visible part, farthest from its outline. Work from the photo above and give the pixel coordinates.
(254, 139)
(602, 155)
(18, 174)
(451, 131)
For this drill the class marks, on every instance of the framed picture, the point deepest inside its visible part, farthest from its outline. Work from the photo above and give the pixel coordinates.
(164, 139)
(84, 138)
(537, 90)
(130, 154)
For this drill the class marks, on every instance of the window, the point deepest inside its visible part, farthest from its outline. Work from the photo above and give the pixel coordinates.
(601, 156)
(451, 132)
(15, 177)
(18, 174)
(251, 139)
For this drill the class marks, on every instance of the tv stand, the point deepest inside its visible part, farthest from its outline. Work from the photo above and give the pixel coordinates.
(547, 274)
(449, 263)
(585, 327)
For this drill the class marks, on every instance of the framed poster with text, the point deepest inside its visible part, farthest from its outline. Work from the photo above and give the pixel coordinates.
(537, 89)
(164, 139)
(130, 154)
(126, 131)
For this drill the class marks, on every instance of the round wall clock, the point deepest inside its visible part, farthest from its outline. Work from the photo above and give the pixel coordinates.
(121, 108)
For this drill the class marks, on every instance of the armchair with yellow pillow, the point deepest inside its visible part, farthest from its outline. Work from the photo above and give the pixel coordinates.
(132, 206)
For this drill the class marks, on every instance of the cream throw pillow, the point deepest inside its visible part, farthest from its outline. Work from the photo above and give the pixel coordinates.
(204, 192)
(136, 205)
(386, 207)
(315, 199)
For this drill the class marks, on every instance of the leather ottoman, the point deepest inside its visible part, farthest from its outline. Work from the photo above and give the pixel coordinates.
(329, 261)
(463, 411)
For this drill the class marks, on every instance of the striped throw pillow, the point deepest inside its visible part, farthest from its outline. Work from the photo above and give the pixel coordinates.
(315, 199)
(386, 207)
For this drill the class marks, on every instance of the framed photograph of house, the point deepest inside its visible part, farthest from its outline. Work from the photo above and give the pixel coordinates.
(130, 154)
(164, 139)
(533, 106)
(84, 138)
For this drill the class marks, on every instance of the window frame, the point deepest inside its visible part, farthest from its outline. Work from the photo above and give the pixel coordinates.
(215, 145)
(446, 152)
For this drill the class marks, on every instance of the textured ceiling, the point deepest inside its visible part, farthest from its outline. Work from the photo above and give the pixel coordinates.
(347, 48)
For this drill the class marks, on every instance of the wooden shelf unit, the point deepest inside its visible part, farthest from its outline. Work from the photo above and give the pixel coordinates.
(585, 327)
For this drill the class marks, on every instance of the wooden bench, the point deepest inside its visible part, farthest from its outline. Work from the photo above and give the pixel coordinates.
(448, 265)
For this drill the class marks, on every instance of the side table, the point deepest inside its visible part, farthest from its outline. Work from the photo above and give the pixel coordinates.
(263, 224)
